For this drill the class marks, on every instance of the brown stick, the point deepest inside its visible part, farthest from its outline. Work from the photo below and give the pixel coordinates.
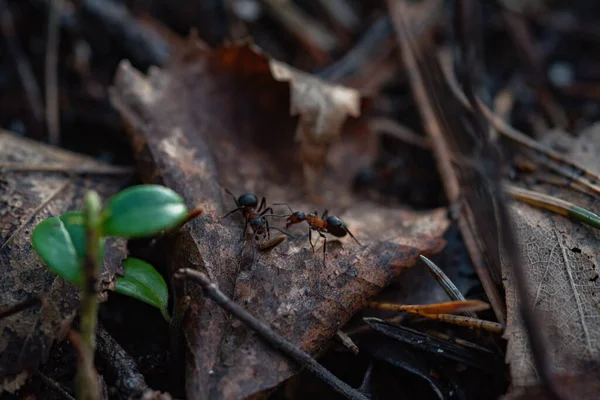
(270, 336)
(19, 306)
(52, 105)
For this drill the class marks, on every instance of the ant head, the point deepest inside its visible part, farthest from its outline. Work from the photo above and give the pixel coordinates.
(295, 218)
(248, 200)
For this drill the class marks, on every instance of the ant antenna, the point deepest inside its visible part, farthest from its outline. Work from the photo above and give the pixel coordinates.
(284, 204)
(275, 215)
(284, 232)
(351, 235)
(231, 194)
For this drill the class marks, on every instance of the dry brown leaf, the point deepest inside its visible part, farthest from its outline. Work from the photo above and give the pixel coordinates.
(323, 108)
(27, 198)
(217, 119)
(562, 260)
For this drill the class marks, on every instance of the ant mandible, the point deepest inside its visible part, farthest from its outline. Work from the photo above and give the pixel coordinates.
(326, 224)
(253, 216)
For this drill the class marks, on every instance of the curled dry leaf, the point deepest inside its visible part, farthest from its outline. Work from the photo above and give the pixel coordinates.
(562, 263)
(219, 119)
(27, 198)
(323, 109)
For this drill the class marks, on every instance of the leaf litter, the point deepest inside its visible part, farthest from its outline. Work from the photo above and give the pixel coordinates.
(562, 264)
(216, 119)
(28, 197)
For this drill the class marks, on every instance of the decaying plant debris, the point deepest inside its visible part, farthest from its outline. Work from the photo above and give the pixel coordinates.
(406, 119)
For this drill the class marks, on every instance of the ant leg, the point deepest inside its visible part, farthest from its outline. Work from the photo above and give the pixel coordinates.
(310, 239)
(263, 203)
(284, 204)
(284, 232)
(268, 229)
(253, 250)
(245, 228)
(266, 210)
(352, 236)
(231, 212)
(325, 214)
(234, 198)
(324, 245)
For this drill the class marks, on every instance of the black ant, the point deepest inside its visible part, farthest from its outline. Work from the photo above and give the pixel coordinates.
(255, 216)
(326, 224)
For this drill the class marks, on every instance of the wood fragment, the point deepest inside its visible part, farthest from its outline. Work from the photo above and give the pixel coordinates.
(347, 341)
(271, 244)
(130, 382)
(270, 336)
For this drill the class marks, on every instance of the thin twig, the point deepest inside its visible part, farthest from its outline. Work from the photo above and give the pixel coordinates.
(270, 336)
(52, 104)
(437, 308)
(19, 306)
(347, 341)
(129, 379)
(522, 38)
(67, 169)
(473, 323)
(549, 158)
(446, 284)
(55, 385)
(32, 90)
(400, 132)
(312, 35)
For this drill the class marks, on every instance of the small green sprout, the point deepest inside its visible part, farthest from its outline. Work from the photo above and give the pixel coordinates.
(139, 211)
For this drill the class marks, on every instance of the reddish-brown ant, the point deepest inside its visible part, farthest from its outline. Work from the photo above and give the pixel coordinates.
(255, 216)
(326, 224)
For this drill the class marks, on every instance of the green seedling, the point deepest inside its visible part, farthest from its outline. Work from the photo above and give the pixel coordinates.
(139, 211)
(72, 246)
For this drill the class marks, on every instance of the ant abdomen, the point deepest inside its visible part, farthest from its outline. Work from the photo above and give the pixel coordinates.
(336, 227)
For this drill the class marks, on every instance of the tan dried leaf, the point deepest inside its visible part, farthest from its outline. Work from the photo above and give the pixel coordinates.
(562, 262)
(28, 196)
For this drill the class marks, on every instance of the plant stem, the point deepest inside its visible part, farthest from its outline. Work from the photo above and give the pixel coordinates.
(87, 380)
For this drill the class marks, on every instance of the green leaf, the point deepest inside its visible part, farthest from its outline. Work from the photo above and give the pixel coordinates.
(143, 210)
(141, 281)
(61, 243)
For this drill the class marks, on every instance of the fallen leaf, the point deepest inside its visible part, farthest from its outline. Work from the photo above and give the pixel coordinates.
(322, 107)
(219, 119)
(562, 263)
(28, 197)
